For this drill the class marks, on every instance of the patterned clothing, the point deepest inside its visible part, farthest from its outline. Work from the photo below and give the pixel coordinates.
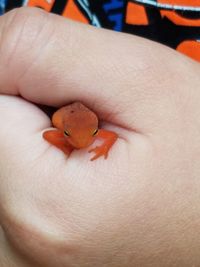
(175, 23)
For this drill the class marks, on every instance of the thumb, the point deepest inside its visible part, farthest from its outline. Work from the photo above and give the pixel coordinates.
(50, 60)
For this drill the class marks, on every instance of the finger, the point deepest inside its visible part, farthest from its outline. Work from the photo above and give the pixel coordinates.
(22, 136)
(53, 61)
(21, 127)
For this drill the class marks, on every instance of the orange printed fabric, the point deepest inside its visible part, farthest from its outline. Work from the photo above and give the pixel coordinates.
(175, 23)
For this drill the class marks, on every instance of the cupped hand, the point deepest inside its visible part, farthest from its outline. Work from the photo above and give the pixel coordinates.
(140, 207)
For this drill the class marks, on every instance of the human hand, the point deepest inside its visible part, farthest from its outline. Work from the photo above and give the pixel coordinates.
(140, 207)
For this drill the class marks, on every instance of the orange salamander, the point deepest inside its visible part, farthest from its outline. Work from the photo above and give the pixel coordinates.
(77, 127)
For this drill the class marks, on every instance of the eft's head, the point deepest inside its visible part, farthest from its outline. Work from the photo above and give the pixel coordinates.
(78, 123)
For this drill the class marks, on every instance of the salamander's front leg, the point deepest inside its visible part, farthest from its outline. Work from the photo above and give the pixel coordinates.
(109, 139)
(56, 138)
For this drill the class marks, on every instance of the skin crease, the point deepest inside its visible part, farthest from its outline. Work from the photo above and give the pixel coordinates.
(140, 207)
(77, 128)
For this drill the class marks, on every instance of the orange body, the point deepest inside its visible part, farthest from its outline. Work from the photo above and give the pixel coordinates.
(77, 127)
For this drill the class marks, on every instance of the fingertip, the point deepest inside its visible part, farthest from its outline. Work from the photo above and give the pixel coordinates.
(21, 115)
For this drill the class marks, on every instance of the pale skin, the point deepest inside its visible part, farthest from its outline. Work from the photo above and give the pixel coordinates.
(140, 206)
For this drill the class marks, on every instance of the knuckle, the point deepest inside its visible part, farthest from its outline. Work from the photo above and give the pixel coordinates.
(18, 30)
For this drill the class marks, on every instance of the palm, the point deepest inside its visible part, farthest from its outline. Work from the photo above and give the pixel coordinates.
(52, 191)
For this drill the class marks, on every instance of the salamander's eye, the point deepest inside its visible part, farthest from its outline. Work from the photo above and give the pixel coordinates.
(66, 133)
(95, 132)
